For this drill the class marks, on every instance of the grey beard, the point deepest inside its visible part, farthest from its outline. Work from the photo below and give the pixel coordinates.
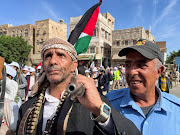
(56, 82)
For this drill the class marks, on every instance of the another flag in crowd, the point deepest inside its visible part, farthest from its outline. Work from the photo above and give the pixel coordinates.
(23, 65)
(81, 36)
(92, 64)
(82, 62)
(38, 65)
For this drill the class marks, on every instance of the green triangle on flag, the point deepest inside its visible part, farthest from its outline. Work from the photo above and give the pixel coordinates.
(81, 36)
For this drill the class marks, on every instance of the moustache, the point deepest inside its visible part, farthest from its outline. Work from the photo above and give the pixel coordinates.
(54, 68)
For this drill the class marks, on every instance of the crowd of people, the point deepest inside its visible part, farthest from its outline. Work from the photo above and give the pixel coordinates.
(37, 102)
(107, 79)
(19, 81)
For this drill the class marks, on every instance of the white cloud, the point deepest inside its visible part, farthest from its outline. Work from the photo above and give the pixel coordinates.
(50, 11)
(155, 2)
(165, 12)
(138, 17)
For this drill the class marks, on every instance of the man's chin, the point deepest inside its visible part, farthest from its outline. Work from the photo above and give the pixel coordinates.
(55, 80)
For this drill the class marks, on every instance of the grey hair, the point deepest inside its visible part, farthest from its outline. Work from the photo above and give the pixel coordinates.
(157, 63)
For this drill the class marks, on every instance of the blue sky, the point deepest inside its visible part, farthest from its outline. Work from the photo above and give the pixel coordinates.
(163, 16)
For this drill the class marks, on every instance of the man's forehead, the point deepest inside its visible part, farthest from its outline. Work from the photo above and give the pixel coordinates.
(52, 50)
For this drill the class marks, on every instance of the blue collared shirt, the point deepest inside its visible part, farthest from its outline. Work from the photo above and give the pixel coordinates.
(163, 119)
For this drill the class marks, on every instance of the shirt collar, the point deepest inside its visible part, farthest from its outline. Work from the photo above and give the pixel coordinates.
(160, 104)
(128, 100)
(50, 98)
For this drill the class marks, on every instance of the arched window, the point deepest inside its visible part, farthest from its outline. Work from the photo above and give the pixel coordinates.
(118, 43)
(26, 32)
(95, 32)
(37, 42)
(44, 33)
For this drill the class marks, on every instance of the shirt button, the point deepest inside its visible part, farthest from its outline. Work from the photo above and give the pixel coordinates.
(146, 123)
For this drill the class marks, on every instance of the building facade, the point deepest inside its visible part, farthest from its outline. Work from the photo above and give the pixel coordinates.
(99, 49)
(162, 46)
(127, 37)
(36, 35)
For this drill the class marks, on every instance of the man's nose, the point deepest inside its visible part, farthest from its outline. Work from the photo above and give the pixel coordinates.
(53, 60)
(133, 71)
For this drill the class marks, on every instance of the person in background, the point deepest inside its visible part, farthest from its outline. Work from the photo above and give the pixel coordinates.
(150, 109)
(10, 114)
(25, 72)
(102, 81)
(87, 73)
(123, 76)
(15, 65)
(176, 78)
(116, 78)
(11, 85)
(22, 83)
(31, 79)
(95, 75)
(171, 79)
(164, 82)
(110, 77)
(38, 71)
(111, 82)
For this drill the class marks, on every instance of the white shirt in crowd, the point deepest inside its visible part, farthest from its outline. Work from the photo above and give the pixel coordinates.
(11, 89)
(32, 81)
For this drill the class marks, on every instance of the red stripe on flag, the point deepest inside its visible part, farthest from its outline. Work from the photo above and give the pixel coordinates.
(89, 29)
(82, 62)
(23, 65)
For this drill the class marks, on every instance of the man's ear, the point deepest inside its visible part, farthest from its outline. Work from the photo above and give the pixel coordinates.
(74, 66)
(42, 65)
(159, 71)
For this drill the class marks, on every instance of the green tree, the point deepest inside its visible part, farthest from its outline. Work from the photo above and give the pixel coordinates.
(14, 48)
(172, 56)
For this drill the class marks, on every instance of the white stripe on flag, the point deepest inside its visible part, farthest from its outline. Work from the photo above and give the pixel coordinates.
(83, 35)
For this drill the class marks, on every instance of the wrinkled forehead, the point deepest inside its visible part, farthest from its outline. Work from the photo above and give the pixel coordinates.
(55, 50)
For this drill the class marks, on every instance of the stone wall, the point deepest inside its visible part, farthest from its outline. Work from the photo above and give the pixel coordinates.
(36, 35)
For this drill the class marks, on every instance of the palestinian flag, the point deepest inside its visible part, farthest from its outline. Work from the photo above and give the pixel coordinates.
(81, 36)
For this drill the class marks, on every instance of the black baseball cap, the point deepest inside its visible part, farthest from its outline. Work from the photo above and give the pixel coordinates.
(147, 48)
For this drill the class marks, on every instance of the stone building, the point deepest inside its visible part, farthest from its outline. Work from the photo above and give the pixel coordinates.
(162, 46)
(44, 30)
(127, 37)
(26, 31)
(100, 46)
(36, 35)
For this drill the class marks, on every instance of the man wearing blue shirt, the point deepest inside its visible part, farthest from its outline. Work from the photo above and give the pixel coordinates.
(152, 111)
